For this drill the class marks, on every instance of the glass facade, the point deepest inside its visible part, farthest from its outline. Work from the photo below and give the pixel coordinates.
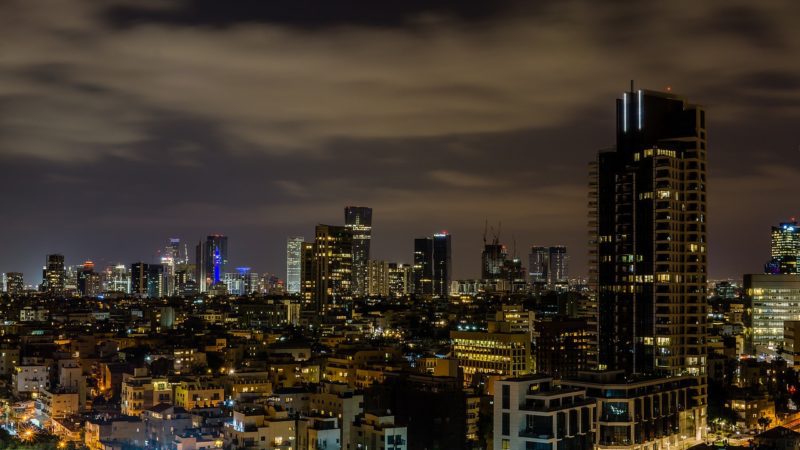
(775, 299)
(294, 262)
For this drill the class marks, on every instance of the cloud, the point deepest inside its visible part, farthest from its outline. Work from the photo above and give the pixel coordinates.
(464, 180)
(309, 14)
(200, 114)
(272, 86)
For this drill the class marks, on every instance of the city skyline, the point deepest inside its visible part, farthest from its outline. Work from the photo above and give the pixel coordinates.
(448, 224)
(437, 135)
(471, 258)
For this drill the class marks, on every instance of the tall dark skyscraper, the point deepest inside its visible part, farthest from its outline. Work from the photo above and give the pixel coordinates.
(54, 275)
(442, 265)
(212, 259)
(358, 219)
(423, 266)
(538, 265)
(785, 249)
(493, 260)
(147, 280)
(88, 280)
(433, 265)
(558, 266)
(548, 266)
(139, 272)
(648, 222)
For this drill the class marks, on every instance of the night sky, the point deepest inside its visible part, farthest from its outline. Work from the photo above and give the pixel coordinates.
(125, 123)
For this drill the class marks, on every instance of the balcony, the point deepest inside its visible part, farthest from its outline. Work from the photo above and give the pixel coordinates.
(537, 433)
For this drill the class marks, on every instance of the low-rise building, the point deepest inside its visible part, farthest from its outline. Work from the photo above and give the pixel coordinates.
(496, 352)
(163, 422)
(315, 432)
(750, 407)
(140, 391)
(778, 438)
(340, 401)
(28, 380)
(371, 431)
(198, 394)
(193, 440)
(255, 427)
(57, 403)
(538, 413)
(642, 412)
(123, 430)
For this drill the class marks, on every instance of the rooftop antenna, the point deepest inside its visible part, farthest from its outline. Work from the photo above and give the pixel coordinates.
(631, 85)
(499, 229)
(514, 245)
(485, 230)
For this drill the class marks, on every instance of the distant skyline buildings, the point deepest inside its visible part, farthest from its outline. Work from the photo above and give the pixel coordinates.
(433, 265)
(211, 261)
(548, 266)
(784, 249)
(147, 280)
(358, 219)
(15, 283)
(54, 274)
(266, 261)
(329, 263)
(493, 260)
(294, 262)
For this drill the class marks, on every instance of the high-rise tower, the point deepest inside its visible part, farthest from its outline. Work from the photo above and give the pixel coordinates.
(15, 284)
(548, 266)
(651, 237)
(648, 225)
(358, 219)
(294, 263)
(54, 275)
(433, 265)
(423, 266)
(785, 249)
(332, 267)
(212, 258)
(493, 259)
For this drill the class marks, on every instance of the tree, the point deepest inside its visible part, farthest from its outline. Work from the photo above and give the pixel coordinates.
(764, 422)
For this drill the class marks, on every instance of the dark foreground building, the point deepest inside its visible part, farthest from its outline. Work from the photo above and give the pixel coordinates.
(648, 221)
(433, 408)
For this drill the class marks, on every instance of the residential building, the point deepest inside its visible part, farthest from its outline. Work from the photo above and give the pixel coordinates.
(140, 391)
(535, 412)
(638, 413)
(198, 394)
(372, 431)
(648, 261)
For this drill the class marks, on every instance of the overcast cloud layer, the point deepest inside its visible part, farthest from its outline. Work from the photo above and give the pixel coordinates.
(123, 124)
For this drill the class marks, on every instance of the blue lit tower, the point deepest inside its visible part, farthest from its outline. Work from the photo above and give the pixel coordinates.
(212, 258)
